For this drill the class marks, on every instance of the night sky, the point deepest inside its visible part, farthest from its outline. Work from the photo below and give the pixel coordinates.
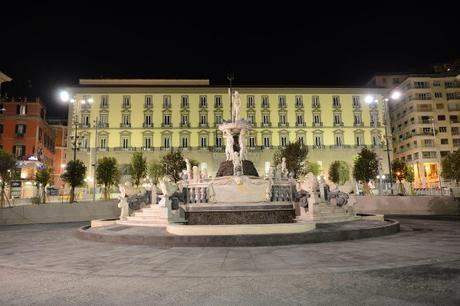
(46, 45)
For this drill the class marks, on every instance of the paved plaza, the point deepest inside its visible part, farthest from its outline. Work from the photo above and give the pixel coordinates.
(49, 265)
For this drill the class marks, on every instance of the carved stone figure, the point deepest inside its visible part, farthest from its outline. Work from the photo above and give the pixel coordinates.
(284, 170)
(123, 204)
(237, 167)
(236, 106)
(196, 174)
(204, 174)
(242, 143)
(268, 191)
(228, 145)
(309, 184)
(338, 197)
(188, 169)
(167, 189)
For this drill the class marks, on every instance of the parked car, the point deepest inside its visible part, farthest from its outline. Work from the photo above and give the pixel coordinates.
(52, 191)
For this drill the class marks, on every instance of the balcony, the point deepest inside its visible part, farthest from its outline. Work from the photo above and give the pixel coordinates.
(315, 105)
(104, 106)
(282, 105)
(185, 125)
(125, 125)
(20, 135)
(216, 149)
(321, 147)
(265, 105)
(299, 105)
(453, 107)
(103, 125)
(300, 124)
(184, 149)
(146, 149)
(375, 124)
(317, 124)
(126, 106)
(83, 149)
(424, 121)
(148, 106)
(218, 105)
(167, 105)
(121, 149)
(204, 125)
(165, 148)
(266, 124)
(84, 126)
(166, 125)
(454, 121)
(147, 125)
(358, 124)
(339, 147)
(105, 149)
(338, 123)
(336, 105)
(356, 106)
(283, 124)
(359, 147)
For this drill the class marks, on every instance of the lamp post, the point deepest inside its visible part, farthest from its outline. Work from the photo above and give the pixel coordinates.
(438, 154)
(96, 123)
(395, 95)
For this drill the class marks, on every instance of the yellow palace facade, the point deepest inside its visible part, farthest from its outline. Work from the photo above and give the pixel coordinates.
(119, 117)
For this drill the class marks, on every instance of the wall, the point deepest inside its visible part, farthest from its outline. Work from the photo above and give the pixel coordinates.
(56, 213)
(407, 205)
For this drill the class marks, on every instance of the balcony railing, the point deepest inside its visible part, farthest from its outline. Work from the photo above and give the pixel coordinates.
(375, 124)
(128, 149)
(125, 125)
(321, 147)
(338, 123)
(148, 149)
(266, 124)
(166, 125)
(185, 125)
(147, 125)
(358, 124)
(317, 124)
(204, 125)
(102, 125)
(283, 124)
(300, 124)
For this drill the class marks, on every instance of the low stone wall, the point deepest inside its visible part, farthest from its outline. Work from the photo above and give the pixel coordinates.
(407, 205)
(56, 213)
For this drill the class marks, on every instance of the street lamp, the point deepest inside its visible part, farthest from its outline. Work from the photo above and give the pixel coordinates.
(395, 95)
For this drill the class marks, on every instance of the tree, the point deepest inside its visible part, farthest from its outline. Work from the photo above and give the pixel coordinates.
(7, 167)
(74, 175)
(365, 167)
(107, 174)
(339, 172)
(43, 178)
(173, 163)
(138, 168)
(155, 171)
(295, 154)
(451, 166)
(399, 169)
(309, 166)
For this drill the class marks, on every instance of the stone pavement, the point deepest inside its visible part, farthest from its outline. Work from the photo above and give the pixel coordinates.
(48, 265)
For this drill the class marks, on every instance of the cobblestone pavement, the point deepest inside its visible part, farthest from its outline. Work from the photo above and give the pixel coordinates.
(48, 265)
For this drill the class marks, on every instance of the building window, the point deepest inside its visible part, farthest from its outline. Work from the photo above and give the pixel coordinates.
(251, 118)
(282, 101)
(147, 142)
(184, 141)
(166, 120)
(166, 142)
(359, 140)
(203, 142)
(126, 101)
(318, 140)
(19, 150)
(85, 120)
(1, 129)
(299, 120)
(125, 142)
(419, 84)
(442, 129)
(147, 120)
(218, 119)
(356, 102)
(148, 101)
(252, 142)
(184, 120)
(103, 142)
(21, 109)
(203, 119)
(444, 141)
(125, 119)
(20, 129)
(217, 101)
(335, 101)
(338, 140)
(283, 141)
(219, 141)
(265, 102)
(337, 119)
(266, 119)
(375, 140)
(357, 119)
(298, 101)
(317, 119)
(441, 117)
(251, 102)
(438, 95)
(283, 119)
(203, 101)
(266, 141)
(103, 120)
(315, 102)
(300, 139)
(104, 101)
(166, 101)
(184, 101)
